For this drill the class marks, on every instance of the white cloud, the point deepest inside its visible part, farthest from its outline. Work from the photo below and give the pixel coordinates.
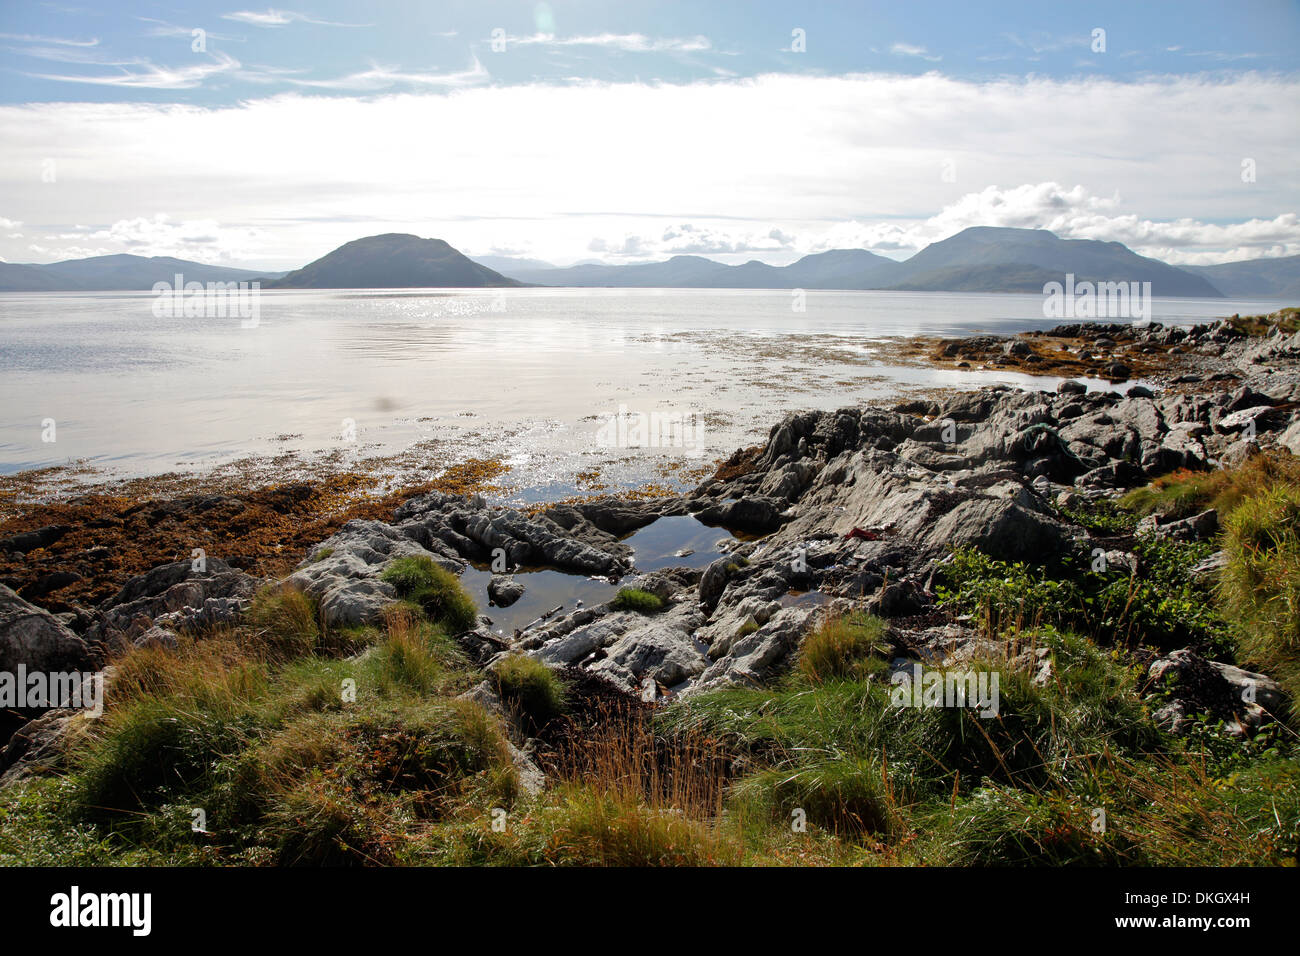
(279, 18)
(58, 41)
(382, 77)
(204, 240)
(148, 75)
(627, 42)
(1075, 213)
(910, 49)
(825, 161)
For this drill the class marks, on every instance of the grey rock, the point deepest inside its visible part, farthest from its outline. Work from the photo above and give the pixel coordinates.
(504, 591)
(37, 640)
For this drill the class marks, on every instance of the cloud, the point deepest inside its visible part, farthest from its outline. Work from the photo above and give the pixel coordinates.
(144, 74)
(161, 28)
(1075, 213)
(57, 41)
(205, 240)
(908, 49)
(279, 18)
(382, 77)
(846, 161)
(626, 42)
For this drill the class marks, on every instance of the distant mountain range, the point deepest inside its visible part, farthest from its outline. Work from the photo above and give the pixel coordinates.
(116, 273)
(1275, 278)
(979, 259)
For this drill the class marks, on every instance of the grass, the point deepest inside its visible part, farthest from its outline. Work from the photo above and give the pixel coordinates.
(1183, 493)
(1260, 585)
(529, 688)
(844, 648)
(305, 747)
(434, 589)
(286, 619)
(634, 599)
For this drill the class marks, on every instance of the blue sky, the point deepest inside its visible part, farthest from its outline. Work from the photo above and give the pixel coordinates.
(142, 51)
(633, 130)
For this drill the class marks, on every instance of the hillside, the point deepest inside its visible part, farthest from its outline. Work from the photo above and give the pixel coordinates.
(1279, 278)
(393, 261)
(117, 273)
(988, 259)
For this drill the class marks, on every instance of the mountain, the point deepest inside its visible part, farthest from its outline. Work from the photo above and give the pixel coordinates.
(841, 269)
(1272, 278)
(20, 278)
(978, 259)
(116, 273)
(138, 272)
(677, 272)
(837, 269)
(994, 259)
(508, 266)
(986, 278)
(393, 261)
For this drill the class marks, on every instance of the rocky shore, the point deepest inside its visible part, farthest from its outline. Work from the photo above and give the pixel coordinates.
(858, 509)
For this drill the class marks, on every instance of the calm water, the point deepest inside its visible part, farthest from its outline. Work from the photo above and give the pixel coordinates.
(530, 377)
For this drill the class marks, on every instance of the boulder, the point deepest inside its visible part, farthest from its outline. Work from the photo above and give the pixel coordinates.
(504, 591)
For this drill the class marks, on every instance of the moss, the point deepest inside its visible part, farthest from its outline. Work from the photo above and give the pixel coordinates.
(634, 599)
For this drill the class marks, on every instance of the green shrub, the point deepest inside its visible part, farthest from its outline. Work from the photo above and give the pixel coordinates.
(436, 590)
(634, 599)
(843, 648)
(530, 686)
(1160, 604)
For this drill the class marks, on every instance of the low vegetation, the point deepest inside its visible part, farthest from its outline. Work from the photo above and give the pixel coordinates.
(434, 589)
(283, 742)
(1286, 321)
(530, 687)
(634, 599)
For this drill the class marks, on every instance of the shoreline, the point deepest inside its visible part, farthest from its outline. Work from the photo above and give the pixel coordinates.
(321, 495)
(1059, 548)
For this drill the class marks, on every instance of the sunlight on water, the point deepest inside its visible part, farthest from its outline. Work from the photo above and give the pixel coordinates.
(144, 394)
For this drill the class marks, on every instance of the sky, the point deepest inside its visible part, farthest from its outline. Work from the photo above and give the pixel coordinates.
(629, 130)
